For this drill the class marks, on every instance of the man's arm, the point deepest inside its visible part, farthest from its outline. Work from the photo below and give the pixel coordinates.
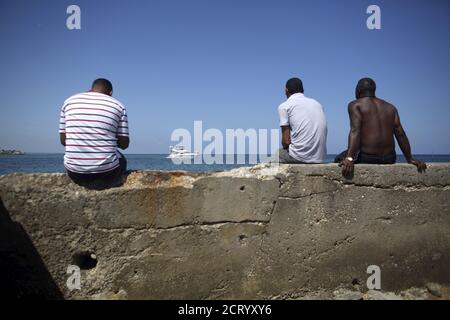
(62, 139)
(404, 144)
(354, 139)
(123, 142)
(285, 126)
(402, 138)
(285, 136)
(62, 126)
(123, 135)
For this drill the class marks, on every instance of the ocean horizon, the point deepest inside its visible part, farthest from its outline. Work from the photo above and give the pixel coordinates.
(53, 162)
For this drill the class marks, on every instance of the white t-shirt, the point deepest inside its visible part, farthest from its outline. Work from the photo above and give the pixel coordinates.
(308, 125)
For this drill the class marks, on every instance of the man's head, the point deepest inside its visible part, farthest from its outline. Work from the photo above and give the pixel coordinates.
(102, 86)
(366, 88)
(293, 86)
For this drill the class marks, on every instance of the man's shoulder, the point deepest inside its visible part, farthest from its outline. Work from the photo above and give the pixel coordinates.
(73, 97)
(105, 97)
(114, 100)
(353, 103)
(303, 100)
(386, 103)
(284, 105)
(312, 101)
(95, 96)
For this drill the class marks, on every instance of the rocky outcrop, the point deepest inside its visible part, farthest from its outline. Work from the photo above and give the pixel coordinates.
(262, 232)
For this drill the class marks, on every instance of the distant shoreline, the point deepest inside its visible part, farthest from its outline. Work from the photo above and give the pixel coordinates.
(12, 152)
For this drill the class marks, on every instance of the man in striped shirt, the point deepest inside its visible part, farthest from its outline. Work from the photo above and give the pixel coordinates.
(92, 126)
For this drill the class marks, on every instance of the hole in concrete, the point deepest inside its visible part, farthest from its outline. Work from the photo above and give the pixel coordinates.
(242, 188)
(242, 237)
(355, 282)
(86, 260)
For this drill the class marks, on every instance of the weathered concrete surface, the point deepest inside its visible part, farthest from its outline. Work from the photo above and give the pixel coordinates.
(262, 232)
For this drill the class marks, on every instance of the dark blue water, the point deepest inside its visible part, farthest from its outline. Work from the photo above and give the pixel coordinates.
(34, 162)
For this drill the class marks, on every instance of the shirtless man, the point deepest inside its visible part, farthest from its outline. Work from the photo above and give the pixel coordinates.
(374, 123)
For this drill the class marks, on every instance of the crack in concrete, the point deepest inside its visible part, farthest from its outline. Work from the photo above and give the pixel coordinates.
(306, 195)
(419, 185)
(337, 245)
(217, 224)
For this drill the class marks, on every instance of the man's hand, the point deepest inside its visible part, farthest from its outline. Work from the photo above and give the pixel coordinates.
(421, 166)
(348, 168)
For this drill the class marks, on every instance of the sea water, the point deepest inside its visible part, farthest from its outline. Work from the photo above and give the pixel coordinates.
(52, 162)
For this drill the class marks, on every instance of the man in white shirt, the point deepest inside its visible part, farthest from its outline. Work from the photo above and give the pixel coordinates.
(93, 125)
(303, 125)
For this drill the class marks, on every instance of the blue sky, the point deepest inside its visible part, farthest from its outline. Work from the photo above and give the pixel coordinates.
(222, 62)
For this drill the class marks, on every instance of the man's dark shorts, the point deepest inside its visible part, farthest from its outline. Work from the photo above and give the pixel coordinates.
(104, 176)
(368, 158)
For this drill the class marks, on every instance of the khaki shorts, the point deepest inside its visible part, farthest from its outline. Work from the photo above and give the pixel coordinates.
(285, 157)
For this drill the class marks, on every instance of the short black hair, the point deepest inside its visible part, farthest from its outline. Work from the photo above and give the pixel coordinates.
(103, 85)
(294, 85)
(366, 86)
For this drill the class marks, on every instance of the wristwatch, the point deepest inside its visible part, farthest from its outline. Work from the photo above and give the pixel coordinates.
(349, 159)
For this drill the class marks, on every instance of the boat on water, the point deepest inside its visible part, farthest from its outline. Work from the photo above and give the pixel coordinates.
(178, 152)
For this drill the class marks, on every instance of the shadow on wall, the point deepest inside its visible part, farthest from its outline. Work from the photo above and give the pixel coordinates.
(23, 274)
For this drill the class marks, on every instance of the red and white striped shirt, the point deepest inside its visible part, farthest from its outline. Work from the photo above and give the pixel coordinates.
(92, 122)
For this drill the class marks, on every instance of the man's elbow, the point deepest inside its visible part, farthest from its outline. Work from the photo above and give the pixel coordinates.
(123, 146)
(62, 139)
(123, 143)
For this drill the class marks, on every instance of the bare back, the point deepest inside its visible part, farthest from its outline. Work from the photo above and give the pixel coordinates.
(377, 125)
(374, 126)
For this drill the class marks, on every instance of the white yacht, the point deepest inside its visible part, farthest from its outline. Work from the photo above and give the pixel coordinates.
(181, 152)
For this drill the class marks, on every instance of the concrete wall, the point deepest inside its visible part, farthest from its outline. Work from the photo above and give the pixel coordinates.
(262, 232)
